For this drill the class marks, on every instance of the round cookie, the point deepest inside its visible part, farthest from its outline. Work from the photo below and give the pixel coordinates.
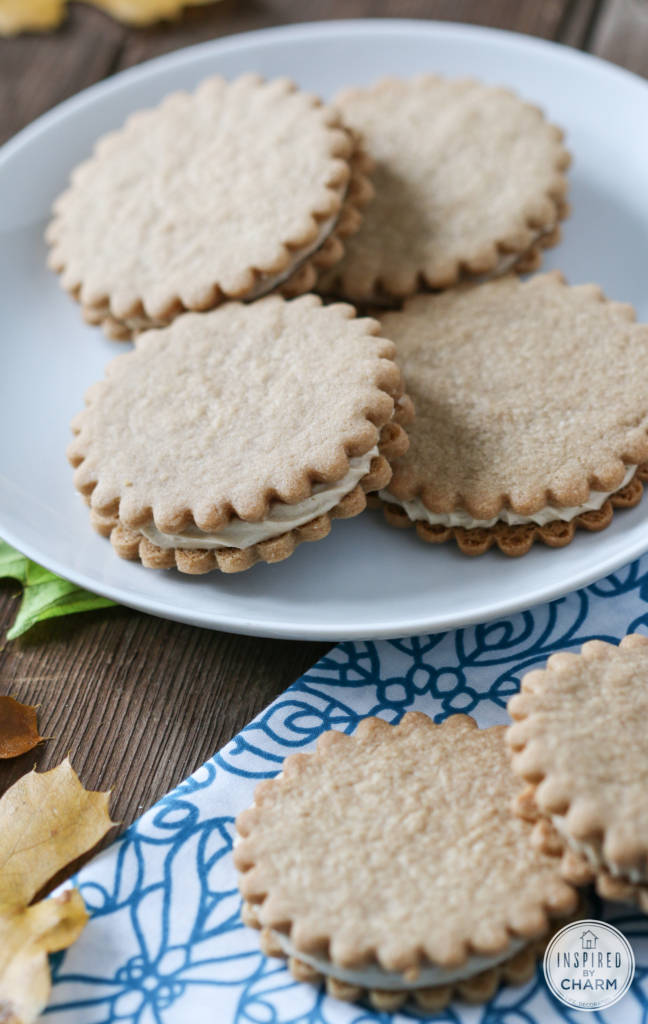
(229, 437)
(579, 739)
(229, 192)
(531, 413)
(469, 181)
(427, 807)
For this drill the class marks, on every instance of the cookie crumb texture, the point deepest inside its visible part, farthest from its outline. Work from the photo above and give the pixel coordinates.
(526, 395)
(580, 741)
(205, 198)
(468, 179)
(223, 414)
(398, 846)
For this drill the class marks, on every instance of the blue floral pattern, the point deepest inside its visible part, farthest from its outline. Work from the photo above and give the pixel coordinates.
(165, 943)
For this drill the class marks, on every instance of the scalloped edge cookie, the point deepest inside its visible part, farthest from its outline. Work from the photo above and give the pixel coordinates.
(131, 299)
(532, 413)
(457, 750)
(154, 454)
(422, 131)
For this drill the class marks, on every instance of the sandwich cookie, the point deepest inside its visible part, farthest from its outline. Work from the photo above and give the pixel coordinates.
(229, 437)
(531, 413)
(469, 182)
(579, 740)
(229, 192)
(364, 864)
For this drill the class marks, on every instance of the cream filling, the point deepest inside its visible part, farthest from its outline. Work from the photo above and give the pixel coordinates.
(593, 853)
(268, 282)
(374, 976)
(281, 519)
(549, 514)
(508, 260)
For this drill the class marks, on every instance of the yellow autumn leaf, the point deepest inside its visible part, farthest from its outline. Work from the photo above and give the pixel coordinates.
(30, 15)
(146, 12)
(46, 821)
(42, 15)
(26, 938)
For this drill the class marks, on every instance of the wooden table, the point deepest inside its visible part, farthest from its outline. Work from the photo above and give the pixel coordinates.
(141, 702)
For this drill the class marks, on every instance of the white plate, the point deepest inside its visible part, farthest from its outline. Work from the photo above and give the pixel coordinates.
(366, 580)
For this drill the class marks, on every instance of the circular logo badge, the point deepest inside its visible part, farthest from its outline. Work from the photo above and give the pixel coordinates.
(589, 965)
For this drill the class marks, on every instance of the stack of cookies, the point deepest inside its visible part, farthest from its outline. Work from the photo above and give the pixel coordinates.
(579, 740)
(409, 864)
(248, 416)
(243, 422)
(390, 866)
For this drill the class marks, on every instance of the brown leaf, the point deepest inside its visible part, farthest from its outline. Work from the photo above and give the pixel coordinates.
(18, 728)
(46, 821)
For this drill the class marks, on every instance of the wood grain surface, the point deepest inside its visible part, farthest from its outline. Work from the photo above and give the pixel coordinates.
(138, 701)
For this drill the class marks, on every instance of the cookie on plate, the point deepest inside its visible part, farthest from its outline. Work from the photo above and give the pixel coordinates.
(229, 437)
(531, 413)
(364, 864)
(469, 181)
(579, 740)
(229, 192)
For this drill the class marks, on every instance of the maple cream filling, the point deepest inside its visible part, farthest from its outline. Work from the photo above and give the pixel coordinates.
(281, 519)
(268, 283)
(549, 514)
(374, 976)
(508, 260)
(594, 855)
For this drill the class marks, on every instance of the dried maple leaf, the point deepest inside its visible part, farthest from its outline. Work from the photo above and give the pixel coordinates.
(30, 16)
(18, 728)
(46, 821)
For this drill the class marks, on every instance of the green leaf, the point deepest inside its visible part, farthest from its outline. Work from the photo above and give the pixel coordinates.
(45, 596)
(12, 563)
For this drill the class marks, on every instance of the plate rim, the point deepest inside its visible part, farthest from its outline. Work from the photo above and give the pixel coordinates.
(281, 627)
(351, 26)
(279, 630)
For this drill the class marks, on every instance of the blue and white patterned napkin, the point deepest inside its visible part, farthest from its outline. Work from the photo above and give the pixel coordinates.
(165, 944)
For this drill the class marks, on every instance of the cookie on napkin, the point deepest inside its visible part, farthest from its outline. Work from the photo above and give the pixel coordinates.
(365, 864)
(229, 192)
(229, 437)
(531, 413)
(469, 181)
(579, 740)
